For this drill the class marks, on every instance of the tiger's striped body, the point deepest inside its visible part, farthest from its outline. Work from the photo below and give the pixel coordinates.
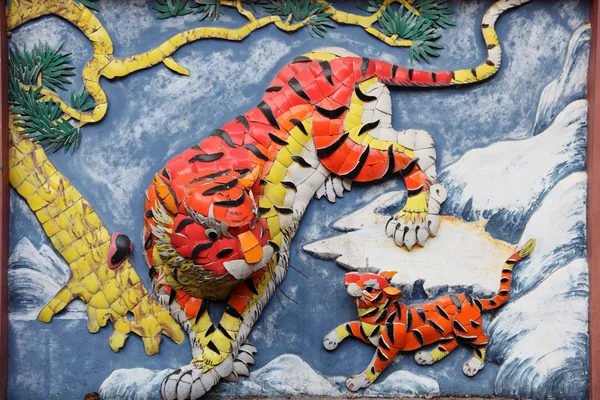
(394, 327)
(220, 216)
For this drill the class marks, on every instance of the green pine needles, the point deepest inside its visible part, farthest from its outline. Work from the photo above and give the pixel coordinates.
(41, 120)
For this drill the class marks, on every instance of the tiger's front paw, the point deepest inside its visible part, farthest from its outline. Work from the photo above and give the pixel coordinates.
(190, 382)
(357, 382)
(419, 219)
(331, 340)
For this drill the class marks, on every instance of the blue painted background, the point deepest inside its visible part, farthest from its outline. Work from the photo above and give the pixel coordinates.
(155, 114)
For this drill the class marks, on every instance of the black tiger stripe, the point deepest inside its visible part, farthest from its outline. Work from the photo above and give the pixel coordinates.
(364, 65)
(456, 301)
(367, 127)
(203, 308)
(233, 312)
(391, 161)
(194, 147)
(414, 192)
(478, 352)
(433, 77)
(151, 272)
(165, 173)
(442, 312)
(149, 214)
(382, 316)
(299, 125)
(474, 72)
(148, 242)
(225, 252)
(297, 87)
(363, 333)
(244, 121)
(389, 326)
(491, 46)
(478, 304)
(210, 330)
(419, 336)
(394, 70)
(172, 296)
(256, 151)
(421, 314)
(263, 210)
(349, 329)
(359, 165)
(199, 247)
(442, 348)
(213, 347)
(232, 203)
(410, 74)
(408, 320)
(224, 136)
(493, 302)
(503, 292)
(375, 331)
(469, 298)
(383, 344)
(452, 74)
(289, 185)
(327, 71)
(381, 356)
(490, 63)
(329, 150)
(370, 313)
(458, 326)
(184, 222)
(301, 59)
(277, 139)
(409, 167)
(301, 161)
(268, 113)
(274, 245)
(331, 114)
(205, 157)
(435, 326)
(504, 280)
(283, 210)
(243, 171)
(362, 96)
(211, 176)
(221, 187)
(475, 324)
(377, 298)
(224, 332)
(485, 26)
(273, 89)
(446, 339)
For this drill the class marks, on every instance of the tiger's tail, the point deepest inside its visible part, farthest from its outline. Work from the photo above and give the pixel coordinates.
(394, 75)
(504, 292)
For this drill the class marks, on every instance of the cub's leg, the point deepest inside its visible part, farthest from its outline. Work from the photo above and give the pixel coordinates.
(477, 362)
(383, 357)
(445, 346)
(354, 329)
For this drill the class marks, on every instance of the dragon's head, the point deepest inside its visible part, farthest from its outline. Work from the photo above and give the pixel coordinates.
(371, 290)
(218, 228)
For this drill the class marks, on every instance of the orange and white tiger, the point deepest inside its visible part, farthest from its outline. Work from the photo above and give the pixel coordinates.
(394, 327)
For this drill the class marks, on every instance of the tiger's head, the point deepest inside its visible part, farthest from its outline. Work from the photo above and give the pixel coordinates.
(217, 227)
(371, 290)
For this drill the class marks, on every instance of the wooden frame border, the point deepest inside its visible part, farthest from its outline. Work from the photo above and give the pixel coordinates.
(593, 229)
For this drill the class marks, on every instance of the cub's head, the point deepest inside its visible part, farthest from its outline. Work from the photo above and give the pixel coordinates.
(372, 289)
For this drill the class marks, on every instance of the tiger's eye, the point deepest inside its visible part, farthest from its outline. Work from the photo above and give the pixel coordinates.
(212, 234)
(369, 289)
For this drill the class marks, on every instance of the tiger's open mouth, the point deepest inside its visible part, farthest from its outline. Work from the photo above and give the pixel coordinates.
(241, 269)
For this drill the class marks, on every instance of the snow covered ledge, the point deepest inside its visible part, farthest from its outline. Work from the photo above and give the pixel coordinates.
(461, 255)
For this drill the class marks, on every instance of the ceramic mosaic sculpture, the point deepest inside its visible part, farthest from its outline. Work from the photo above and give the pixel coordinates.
(393, 327)
(221, 215)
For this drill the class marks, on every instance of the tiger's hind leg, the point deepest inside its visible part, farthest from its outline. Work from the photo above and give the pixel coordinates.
(477, 362)
(445, 346)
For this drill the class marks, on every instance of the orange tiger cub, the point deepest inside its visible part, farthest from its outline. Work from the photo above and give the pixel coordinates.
(394, 327)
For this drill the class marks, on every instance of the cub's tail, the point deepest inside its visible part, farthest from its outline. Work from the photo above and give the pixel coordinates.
(397, 76)
(504, 292)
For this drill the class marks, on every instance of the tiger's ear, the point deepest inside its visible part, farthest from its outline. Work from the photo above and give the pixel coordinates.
(387, 275)
(392, 291)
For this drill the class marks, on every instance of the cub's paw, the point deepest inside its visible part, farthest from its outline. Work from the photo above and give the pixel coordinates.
(424, 358)
(331, 340)
(472, 367)
(357, 382)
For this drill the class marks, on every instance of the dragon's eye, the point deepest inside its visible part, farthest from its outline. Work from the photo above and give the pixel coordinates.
(212, 234)
(369, 289)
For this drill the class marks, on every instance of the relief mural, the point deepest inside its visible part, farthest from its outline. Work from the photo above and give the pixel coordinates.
(210, 167)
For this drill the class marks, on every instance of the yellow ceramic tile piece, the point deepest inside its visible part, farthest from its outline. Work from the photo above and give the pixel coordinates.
(36, 202)
(99, 300)
(275, 193)
(26, 189)
(91, 283)
(69, 254)
(173, 66)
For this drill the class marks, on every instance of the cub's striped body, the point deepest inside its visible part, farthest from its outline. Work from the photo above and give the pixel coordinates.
(220, 216)
(394, 327)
